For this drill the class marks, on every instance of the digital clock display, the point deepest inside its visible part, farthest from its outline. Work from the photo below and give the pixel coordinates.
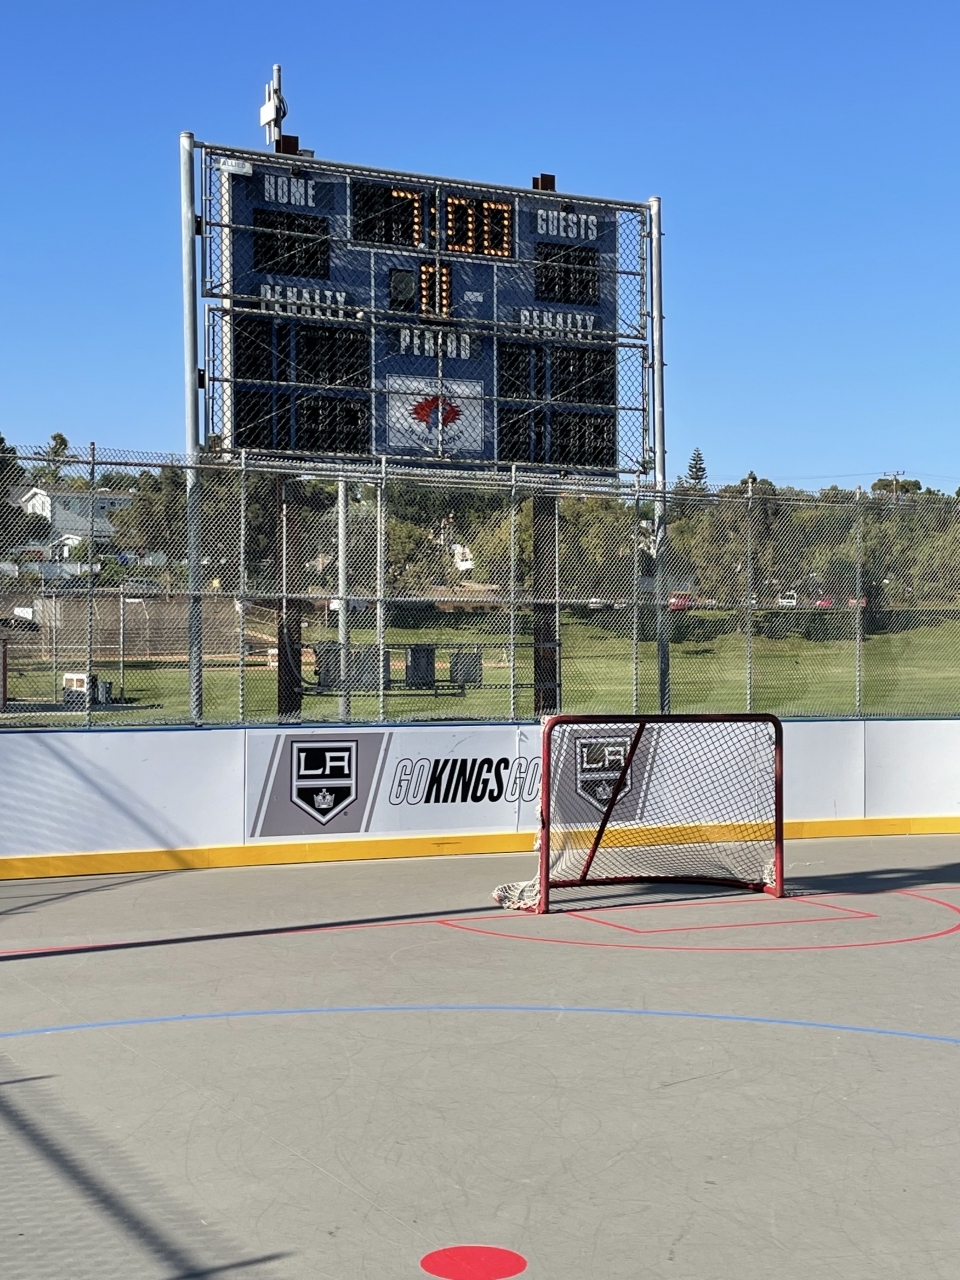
(479, 226)
(361, 312)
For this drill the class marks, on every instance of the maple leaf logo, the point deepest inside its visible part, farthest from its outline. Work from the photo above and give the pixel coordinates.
(424, 410)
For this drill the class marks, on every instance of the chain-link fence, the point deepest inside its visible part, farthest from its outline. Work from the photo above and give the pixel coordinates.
(383, 593)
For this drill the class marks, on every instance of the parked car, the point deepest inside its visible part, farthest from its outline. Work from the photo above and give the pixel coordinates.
(825, 602)
(681, 600)
(788, 600)
(853, 602)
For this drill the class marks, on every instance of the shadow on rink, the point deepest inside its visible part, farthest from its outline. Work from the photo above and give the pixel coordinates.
(882, 880)
(870, 864)
(98, 1206)
(40, 893)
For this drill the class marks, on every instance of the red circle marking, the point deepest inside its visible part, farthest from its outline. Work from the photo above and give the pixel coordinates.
(473, 1262)
(648, 946)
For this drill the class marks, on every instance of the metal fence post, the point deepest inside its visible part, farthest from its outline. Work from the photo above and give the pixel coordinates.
(748, 602)
(659, 455)
(55, 602)
(242, 588)
(122, 675)
(188, 234)
(556, 625)
(635, 624)
(381, 586)
(859, 608)
(343, 606)
(513, 592)
(91, 531)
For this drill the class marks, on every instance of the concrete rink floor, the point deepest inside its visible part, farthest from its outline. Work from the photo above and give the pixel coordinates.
(685, 1085)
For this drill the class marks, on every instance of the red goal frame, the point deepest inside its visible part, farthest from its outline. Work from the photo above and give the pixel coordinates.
(640, 723)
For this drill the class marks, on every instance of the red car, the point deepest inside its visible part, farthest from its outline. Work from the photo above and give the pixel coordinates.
(681, 600)
(825, 602)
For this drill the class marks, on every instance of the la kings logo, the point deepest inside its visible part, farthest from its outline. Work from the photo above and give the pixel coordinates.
(324, 777)
(599, 763)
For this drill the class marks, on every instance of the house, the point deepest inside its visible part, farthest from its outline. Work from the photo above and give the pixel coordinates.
(68, 511)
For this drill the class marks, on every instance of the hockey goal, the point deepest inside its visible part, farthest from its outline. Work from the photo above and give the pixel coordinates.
(632, 798)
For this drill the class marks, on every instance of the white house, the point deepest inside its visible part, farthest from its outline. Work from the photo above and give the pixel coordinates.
(68, 511)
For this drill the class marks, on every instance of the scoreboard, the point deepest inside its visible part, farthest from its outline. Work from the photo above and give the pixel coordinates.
(356, 312)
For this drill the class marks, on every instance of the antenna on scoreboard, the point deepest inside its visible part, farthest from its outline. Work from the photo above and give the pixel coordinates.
(273, 113)
(274, 110)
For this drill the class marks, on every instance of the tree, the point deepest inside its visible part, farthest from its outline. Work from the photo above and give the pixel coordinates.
(121, 481)
(16, 525)
(693, 484)
(895, 486)
(597, 548)
(696, 477)
(155, 520)
(50, 471)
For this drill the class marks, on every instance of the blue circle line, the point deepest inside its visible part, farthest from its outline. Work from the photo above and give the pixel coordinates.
(479, 1008)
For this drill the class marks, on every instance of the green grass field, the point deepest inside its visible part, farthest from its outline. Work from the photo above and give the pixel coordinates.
(910, 673)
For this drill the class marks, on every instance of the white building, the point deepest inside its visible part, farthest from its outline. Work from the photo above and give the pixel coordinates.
(68, 511)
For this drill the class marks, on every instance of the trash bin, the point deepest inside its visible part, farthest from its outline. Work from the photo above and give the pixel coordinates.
(466, 667)
(421, 666)
(364, 668)
(327, 665)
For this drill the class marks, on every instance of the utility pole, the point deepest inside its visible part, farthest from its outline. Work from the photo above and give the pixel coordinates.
(895, 477)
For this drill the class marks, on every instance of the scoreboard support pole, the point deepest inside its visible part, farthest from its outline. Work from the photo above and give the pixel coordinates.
(546, 646)
(191, 365)
(289, 610)
(659, 458)
(343, 598)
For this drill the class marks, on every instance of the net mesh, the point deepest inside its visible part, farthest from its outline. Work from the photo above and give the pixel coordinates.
(697, 801)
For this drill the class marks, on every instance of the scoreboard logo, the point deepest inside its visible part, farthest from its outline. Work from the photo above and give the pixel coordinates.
(599, 764)
(324, 777)
(432, 416)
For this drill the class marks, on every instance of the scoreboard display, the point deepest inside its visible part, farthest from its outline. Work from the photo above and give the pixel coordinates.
(356, 312)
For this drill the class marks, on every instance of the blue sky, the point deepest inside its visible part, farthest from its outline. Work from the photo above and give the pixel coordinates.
(806, 157)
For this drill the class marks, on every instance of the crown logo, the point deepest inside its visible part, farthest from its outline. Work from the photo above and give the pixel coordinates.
(324, 800)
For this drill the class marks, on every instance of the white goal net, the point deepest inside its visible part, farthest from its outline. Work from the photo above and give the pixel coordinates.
(694, 798)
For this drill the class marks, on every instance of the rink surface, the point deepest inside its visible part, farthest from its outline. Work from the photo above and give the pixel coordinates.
(334, 1070)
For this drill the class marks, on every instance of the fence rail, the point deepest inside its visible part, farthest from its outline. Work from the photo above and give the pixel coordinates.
(382, 592)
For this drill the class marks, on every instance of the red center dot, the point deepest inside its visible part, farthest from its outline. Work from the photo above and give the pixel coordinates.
(473, 1262)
